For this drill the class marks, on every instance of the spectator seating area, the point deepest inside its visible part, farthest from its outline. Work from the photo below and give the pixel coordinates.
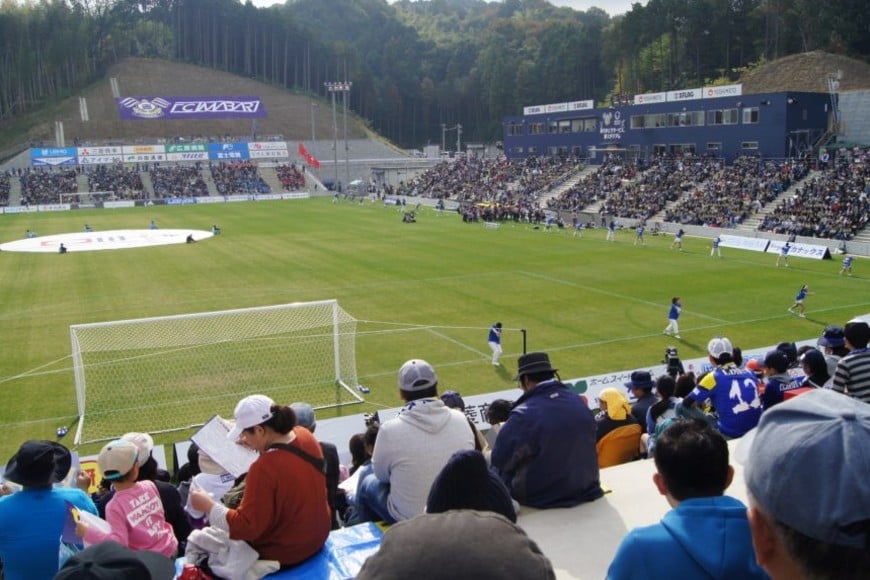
(833, 204)
(5, 186)
(291, 177)
(44, 186)
(122, 181)
(240, 177)
(178, 180)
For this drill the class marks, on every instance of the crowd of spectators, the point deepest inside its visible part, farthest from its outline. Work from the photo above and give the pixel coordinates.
(5, 187)
(44, 186)
(238, 177)
(737, 191)
(178, 181)
(292, 178)
(833, 204)
(123, 182)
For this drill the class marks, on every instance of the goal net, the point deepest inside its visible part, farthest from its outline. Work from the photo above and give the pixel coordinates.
(175, 372)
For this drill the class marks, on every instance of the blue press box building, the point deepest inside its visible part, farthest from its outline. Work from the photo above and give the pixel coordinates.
(716, 121)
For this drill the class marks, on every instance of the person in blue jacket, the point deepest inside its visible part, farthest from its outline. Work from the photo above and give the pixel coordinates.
(706, 534)
(32, 520)
(545, 451)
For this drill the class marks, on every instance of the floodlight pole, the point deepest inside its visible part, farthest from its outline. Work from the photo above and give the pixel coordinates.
(344, 88)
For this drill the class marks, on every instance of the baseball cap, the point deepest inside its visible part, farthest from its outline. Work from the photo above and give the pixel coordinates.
(143, 442)
(250, 411)
(640, 380)
(832, 337)
(453, 400)
(110, 560)
(417, 375)
(817, 439)
(790, 350)
(304, 415)
(117, 458)
(719, 346)
(776, 360)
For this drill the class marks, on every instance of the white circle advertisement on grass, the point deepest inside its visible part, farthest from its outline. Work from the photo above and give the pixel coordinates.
(108, 240)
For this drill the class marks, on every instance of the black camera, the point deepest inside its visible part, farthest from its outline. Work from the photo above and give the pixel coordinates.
(673, 363)
(371, 419)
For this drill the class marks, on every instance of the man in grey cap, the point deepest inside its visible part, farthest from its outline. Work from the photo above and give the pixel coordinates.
(545, 452)
(806, 471)
(411, 449)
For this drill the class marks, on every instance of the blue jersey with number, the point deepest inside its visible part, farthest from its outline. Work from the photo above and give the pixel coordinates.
(715, 242)
(847, 262)
(784, 250)
(733, 391)
(675, 312)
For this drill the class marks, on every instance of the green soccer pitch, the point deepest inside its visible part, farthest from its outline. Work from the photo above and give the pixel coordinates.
(425, 290)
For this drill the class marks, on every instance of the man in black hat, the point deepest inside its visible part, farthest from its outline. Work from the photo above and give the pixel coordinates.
(641, 388)
(32, 520)
(545, 452)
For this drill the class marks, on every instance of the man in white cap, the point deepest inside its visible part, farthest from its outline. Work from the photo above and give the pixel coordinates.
(809, 502)
(732, 390)
(411, 449)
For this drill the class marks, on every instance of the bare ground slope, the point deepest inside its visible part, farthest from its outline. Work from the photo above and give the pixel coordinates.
(288, 114)
(807, 72)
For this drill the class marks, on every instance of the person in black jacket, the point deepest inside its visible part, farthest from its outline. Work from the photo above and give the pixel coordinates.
(305, 418)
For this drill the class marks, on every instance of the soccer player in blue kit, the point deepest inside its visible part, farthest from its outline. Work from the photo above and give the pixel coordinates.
(847, 266)
(494, 341)
(673, 328)
(799, 301)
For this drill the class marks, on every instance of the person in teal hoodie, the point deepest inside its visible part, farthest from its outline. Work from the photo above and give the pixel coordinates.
(706, 534)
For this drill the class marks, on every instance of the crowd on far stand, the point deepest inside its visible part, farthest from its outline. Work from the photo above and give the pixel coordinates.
(44, 186)
(120, 181)
(238, 177)
(5, 186)
(292, 178)
(833, 204)
(178, 180)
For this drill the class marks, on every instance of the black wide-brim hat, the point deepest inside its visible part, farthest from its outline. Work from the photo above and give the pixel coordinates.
(534, 362)
(38, 463)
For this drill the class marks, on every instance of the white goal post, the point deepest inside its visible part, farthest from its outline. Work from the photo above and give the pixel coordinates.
(175, 372)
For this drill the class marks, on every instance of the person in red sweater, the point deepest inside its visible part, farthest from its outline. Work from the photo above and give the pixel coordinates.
(284, 514)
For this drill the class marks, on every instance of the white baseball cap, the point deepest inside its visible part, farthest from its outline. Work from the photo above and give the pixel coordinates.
(719, 346)
(417, 375)
(143, 442)
(250, 411)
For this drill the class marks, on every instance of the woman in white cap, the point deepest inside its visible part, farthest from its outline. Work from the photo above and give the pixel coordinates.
(284, 514)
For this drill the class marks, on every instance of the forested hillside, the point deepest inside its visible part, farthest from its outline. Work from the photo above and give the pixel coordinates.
(416, 65)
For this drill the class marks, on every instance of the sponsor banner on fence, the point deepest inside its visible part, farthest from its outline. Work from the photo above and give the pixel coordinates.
(269, 154)
(801, 250)
(685, 95)
(53, 161)
(100, 159)
(188, 156)
(210, 199)
(96, 151)
(117, 204)
(53, 152)
(168, 108)
(19, 209)
(267, 145)
(648, 98)
(180, 200)
(744, 243)
(723, 91)
(186, 148)
(144, 157)
(54, 207)
(295, 195)
(228, 151)
(581, 105)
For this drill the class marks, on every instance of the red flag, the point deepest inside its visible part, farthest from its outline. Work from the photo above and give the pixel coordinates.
(309, 158)
(302, 151)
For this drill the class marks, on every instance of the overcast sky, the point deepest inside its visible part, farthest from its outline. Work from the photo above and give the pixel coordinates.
(612, 7)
